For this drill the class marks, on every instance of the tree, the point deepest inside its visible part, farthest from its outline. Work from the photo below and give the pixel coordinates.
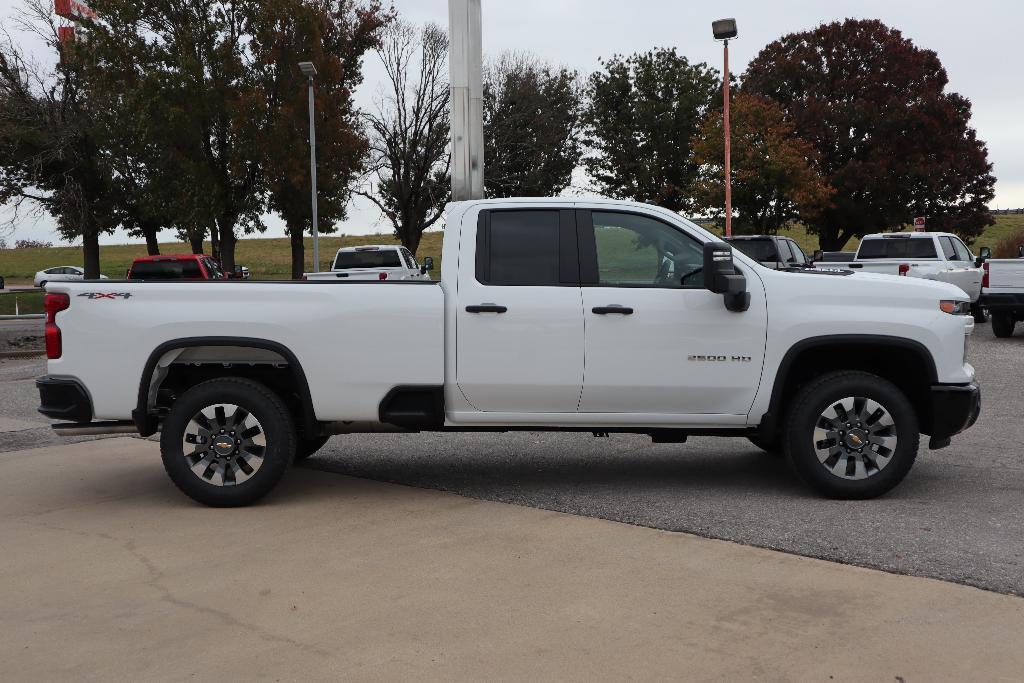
(774, 180)
(889, 137)
(48, 148)
(182, 71)
(409, 155)
(532, 127)
(334, 36)
(644, 113)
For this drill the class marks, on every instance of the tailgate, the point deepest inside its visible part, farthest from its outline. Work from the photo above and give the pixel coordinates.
(1006, 274)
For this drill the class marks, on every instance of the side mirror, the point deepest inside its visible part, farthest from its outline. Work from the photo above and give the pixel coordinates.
(1020, 251)
(818, 255)
(984, 254)
(722, 277)
(428, 264)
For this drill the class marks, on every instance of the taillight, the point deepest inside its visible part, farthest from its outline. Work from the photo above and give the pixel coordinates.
(904, 268)
(382, 276)
(984, 276)
(54, 304)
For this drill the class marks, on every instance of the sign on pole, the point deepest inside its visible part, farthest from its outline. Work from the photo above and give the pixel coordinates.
(919, 224)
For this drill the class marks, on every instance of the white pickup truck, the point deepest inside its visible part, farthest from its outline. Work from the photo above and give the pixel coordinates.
(374, 262)
(550, 315)
(938, 256)
(1003, 293)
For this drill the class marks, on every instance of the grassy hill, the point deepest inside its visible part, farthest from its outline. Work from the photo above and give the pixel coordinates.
(271, 258)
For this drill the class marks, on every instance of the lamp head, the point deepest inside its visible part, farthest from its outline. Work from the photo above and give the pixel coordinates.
(724, 29)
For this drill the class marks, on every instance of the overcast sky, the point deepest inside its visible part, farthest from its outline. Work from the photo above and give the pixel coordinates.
(975, 41)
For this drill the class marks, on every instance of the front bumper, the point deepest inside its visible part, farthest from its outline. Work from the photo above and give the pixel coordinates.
(64, 399)
(954, 408)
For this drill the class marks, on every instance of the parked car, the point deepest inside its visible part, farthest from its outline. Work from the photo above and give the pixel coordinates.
(937, 256)
(771, 251)
(1003, 292)
(176, 267)
(374, 262)
(60, 274)
(680, 336)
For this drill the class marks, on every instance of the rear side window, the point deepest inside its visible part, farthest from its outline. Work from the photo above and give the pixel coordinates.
(370, 258)
(947, 248)
(759, 250)
(166, 270)
(518, 248)
(897, 248)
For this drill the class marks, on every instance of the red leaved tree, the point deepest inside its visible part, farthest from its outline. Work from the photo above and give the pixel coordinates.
(890, 138)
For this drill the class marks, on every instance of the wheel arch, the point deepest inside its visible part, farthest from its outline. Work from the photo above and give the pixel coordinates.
(905, 362)
(147, 422)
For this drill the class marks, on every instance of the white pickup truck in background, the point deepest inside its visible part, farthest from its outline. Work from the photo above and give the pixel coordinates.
(937, 256)
(375, 262)
(1003, 293)
(678, 334)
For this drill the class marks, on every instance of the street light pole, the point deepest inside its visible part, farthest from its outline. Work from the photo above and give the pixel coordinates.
(723, 30)
(728, 146)
(309, 71)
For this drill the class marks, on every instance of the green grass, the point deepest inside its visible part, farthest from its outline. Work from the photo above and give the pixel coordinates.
(271, 258)
(25, 302)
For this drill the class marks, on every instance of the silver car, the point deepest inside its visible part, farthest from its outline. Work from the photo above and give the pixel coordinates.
(60, 274)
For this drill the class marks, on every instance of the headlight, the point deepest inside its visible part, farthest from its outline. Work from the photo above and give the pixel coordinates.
(955, 307)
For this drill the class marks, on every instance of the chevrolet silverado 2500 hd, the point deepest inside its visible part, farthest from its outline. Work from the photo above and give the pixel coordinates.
(595, 316)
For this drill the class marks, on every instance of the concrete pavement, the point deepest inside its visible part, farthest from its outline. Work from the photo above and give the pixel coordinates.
(108, 572)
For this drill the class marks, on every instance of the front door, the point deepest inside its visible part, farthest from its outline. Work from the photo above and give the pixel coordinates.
(656, 341)
(519, 317)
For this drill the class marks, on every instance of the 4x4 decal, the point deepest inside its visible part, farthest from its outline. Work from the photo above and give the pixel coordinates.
(106, 295)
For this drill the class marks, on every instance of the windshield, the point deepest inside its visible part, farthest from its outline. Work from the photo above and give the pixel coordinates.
(759, 250)
(377, 258)
(894, 248)
(166, 270)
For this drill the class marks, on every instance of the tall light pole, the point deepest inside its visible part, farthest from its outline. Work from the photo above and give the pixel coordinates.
(465, 63)
(309, 71)
(724, 29)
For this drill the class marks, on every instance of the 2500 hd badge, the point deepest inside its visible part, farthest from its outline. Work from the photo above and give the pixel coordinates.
(720, 359)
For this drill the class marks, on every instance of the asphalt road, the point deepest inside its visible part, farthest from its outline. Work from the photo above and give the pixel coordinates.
(958, 516)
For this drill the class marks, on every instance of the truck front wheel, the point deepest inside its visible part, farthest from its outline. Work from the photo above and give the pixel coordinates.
(1003, 324)
(851, 435)
(227, 442)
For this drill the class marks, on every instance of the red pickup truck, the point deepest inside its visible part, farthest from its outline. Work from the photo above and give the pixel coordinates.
(180, 267)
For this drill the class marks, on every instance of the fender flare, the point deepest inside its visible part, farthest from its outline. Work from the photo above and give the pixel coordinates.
(147, 423)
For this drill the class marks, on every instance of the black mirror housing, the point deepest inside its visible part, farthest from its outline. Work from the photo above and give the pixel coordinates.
(722, 277)
(818, 255)
(428, 264)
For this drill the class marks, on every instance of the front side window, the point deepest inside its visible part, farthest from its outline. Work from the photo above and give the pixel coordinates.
(213, 269)
(519, 248)
(410, 262)
(798, 254)
(637, 251)
(947, 248)
(962, 252)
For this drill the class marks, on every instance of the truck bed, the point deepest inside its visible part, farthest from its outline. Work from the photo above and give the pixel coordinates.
(357, 340)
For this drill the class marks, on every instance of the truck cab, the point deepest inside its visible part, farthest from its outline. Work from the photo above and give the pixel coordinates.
(374, 262)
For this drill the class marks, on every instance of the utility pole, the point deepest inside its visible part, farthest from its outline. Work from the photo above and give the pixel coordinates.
(465, 62)
(309, 71)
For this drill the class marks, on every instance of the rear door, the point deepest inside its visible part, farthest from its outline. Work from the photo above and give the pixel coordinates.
(657, 341)
(519, 319)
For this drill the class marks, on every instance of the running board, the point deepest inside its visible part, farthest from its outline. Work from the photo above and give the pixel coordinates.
(93, 428)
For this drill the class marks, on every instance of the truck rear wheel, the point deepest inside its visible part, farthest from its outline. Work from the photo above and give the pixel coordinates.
(227, 442)
(1003, 324)
(979, 312)
(852, 435)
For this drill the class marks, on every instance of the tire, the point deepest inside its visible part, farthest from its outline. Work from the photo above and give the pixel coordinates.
(251, 462)
(829, 462)
(42, 285)
(304, 448)
(1003, 324)
(979, 312)
(771, 446)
